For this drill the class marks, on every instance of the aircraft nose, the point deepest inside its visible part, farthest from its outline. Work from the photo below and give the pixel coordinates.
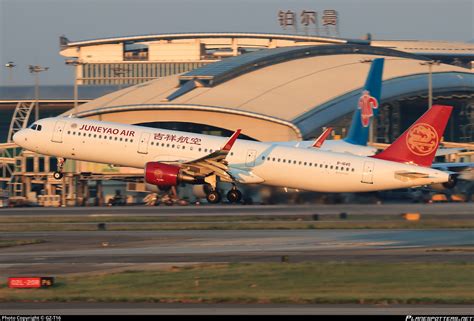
(19, 137)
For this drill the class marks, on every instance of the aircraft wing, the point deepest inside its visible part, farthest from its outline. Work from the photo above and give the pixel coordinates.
(213, 163)
(439, 152)
(453, 167)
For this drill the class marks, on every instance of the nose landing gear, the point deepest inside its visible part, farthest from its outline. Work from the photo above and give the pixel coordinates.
(58, 174)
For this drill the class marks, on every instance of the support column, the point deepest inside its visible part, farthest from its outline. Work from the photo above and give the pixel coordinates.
(100, 194)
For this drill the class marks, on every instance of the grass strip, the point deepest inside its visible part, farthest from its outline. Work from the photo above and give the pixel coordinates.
(10, 243)
(260, 225)
(394, 283)
(218, 218)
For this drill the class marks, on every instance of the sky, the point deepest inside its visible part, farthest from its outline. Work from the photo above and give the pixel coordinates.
(30, 29)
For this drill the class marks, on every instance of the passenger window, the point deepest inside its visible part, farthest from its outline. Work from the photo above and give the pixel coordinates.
(326, 166)
(294, 162)
(68, 132)
(95, 135)
(332, 167)
(74, 133)
(304, 163)
(184, 147)
(299, 163)
(121, 138)
(40, 127)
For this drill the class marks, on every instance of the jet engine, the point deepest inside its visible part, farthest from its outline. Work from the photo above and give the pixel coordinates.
(451, 183)
(165, 175)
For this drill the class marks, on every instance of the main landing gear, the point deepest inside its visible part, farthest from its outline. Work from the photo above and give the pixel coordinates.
(58, 174)
(214, 196)
(234, 195)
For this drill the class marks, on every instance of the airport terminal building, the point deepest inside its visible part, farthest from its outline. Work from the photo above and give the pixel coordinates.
(275, 87)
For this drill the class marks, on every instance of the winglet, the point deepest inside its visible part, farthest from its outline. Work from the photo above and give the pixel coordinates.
(320, 140)
(419, 143)
(228, 145)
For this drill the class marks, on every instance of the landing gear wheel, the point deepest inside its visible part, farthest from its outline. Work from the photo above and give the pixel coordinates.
(58, 175)
(234, 196)
(213, 197)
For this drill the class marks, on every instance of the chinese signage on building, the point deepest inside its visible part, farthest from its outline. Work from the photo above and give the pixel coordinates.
(308, 21)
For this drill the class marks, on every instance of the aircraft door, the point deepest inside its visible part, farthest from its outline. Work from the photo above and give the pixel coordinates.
(368, 173)
(250, 159)
(58, 132)
(143, 143)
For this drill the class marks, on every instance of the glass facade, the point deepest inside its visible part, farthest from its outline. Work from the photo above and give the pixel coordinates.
(133, 72)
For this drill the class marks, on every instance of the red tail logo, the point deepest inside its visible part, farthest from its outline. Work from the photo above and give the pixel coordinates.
(422, 139)
(367, 104)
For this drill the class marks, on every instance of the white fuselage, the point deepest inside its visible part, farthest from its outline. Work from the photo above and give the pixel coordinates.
(336, 146)
(249, 161)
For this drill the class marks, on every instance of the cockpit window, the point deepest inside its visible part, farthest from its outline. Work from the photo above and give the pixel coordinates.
(36, 127)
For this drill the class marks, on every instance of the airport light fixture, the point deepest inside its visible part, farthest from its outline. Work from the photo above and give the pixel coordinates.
(430, 65)
(10, 65)
(75, 63)
(36, 69)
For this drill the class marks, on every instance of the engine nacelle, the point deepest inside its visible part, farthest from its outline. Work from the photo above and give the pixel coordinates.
(451, 183)
(165, 175)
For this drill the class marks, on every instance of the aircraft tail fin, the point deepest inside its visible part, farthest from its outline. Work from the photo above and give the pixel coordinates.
(367, 106)
(418, 144)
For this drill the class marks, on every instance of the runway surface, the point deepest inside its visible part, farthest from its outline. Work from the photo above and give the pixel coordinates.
(213, 210)
(73, 252)
(68, 253)
(229, 309)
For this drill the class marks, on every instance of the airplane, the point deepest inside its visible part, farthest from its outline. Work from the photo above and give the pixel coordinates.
(367, 108)
(170, 158)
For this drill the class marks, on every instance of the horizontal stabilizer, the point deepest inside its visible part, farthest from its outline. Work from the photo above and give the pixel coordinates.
(412, 175)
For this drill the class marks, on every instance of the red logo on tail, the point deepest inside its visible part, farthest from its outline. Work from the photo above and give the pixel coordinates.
(422, 139)
(367, 104)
